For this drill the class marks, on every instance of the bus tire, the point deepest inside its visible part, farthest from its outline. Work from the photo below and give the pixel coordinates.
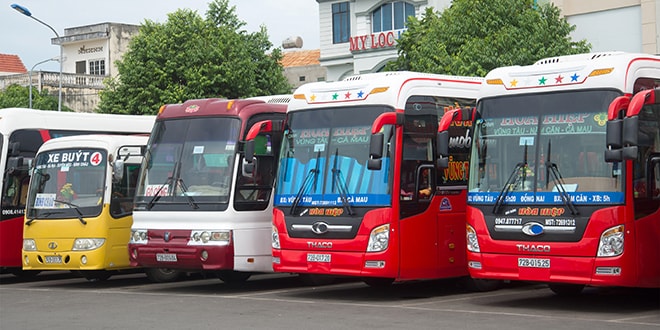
(96, 275)
(482, 285)
(378, 282)
(316, 279)
(232, 276)
(565, 289)
(163, 275)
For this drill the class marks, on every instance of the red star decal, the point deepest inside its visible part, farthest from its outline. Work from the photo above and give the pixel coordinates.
(558, 79)
(347, 95)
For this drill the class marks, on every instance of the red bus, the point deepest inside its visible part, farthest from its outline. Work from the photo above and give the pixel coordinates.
(377, 207)
(196, 209)
(545, 203)
(22, 132)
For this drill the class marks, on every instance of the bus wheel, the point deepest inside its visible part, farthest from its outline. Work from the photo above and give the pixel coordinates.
(96, 275)
(162, 275)
(564, 289)
(232, 276)
(25, 273)
(482, 285)
(316, 279)
(378, 282)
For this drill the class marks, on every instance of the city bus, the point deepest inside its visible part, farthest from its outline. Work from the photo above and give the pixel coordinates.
(196, 209)
(380, 207)
(546, 201)
(22, 132)
(80, 202)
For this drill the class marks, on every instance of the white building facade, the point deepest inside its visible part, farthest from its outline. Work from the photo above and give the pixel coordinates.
(359, 36)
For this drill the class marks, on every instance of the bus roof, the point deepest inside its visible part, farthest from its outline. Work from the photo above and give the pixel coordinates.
(391, 88)
(222, 107)
(12, 119)
(617, 70)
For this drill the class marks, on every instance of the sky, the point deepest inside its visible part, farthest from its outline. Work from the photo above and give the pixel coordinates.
(30, 40)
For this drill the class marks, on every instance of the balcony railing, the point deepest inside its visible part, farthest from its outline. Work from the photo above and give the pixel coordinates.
(49, 79)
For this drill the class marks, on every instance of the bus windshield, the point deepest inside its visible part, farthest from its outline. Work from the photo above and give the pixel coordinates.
(323, 160)
(67, 183)
(527, 151)
(190, 161)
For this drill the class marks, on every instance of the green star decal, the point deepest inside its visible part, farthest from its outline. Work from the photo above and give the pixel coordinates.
(542, 81)
(335, 96)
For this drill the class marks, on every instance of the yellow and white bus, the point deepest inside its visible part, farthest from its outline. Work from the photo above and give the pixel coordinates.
(22, 132)
(80, 204)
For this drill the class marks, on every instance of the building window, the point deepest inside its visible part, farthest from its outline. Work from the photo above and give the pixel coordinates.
(391, 16)
(97, 67)
(301, 78)
(341, 24)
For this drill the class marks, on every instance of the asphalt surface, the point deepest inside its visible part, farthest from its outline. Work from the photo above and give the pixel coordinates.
(59, 300)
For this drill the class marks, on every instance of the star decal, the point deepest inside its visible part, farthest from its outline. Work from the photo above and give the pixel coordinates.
(542, 81)
(514, 83)
(347, 95)
(574, 77)
(312, 98)
(558, 79)
(360, 94)
(335, 96)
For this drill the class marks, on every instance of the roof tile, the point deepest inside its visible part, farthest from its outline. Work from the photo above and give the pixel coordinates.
(11, 63)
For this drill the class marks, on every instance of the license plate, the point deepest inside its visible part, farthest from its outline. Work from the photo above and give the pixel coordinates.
(53, 259)
(533, 263)
(317, 257)
(167, 257)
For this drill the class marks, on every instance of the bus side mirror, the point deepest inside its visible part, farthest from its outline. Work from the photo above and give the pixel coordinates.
(630, 134)
(247, 170)
(374, 164)
(117, 170)
(249, 151)
(442, 149)
(376, 145)
(613, 141)
(14, 149)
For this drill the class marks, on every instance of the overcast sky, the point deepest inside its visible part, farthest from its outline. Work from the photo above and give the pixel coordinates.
(30, 40)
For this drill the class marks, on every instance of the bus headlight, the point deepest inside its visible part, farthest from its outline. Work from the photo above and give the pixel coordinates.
(379, 239)
(201, 237)
(275, 238)
(611, 242)
(86, 244)
(472, 242)
(139, 236)
(29, 244)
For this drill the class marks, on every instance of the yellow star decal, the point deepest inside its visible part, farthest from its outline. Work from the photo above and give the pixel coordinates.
(312, 98)
(514, 83)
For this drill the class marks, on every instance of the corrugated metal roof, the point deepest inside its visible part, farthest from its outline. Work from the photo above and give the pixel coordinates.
(11, 63)
(301, 58)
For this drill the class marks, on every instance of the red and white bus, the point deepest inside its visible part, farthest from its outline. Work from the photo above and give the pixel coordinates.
(544, 203)
(196, 210)
(376, 207)
(22, 132)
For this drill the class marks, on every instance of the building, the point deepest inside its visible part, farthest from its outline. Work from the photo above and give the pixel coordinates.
(359, 36)
(11, 64)
(302, 66)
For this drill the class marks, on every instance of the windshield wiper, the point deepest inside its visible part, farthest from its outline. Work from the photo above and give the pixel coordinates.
(184, 190)
(74, 206)
(310, 181)
(552, 171)
(157, 194)
(512, 182)
(43, 215)
(339, 183)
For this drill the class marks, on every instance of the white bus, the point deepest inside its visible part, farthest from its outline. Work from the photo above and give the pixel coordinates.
(22, 132)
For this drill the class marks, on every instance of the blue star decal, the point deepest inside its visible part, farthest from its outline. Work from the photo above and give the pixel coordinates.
(360, 94)
(574, 77)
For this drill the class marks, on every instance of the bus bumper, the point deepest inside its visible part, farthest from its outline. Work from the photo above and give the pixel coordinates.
(358, 264)
(71, 260)
(565, 269)
(199, 258)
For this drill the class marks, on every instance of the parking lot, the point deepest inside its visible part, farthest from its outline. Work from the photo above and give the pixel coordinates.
(59, 300)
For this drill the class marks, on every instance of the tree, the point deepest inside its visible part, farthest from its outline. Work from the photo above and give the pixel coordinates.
(16, 96)
(473, 37)
(190, 57)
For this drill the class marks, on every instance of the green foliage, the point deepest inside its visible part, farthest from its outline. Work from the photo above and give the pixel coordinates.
(190, 57)
(16, 96)
(472, 37)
